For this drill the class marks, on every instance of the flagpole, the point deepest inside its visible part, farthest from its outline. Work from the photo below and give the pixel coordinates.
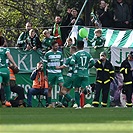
(78, 17)
(80, 12)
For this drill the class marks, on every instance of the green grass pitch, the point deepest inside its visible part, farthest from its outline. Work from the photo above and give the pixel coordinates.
(67, 120)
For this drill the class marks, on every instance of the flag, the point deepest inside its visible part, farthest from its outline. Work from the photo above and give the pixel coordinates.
(114, 38)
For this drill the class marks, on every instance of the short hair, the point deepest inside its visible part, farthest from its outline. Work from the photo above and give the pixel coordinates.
(131, 54)
(31, 30)
(80, 45)
(39, 63)
(45, 32)
(103, 54)
(74, 8)
(69, 39)
(98, 31)
(73, 48)
(54, 42)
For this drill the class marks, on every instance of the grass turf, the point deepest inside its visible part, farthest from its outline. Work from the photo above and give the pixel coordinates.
(68, 120)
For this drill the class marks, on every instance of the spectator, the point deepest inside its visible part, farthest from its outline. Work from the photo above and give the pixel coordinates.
(33, 41)
(121, 14)
(105, 74)
(69, 42)
(48, 39)
(98, 41)
(105, 15)
(4, 72)
(52, 59)
(66, 25)
(57, 31)
(14, 87)
(74, 16)
(127, 71)
(40, 84)
(21, 42)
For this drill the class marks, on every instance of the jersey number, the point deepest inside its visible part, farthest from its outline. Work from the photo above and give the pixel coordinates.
(83, 60)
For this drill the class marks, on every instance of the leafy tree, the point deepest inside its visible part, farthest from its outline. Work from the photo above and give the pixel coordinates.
(15, 13)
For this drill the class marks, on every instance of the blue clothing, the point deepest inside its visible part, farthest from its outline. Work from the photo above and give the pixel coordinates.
(34, 91)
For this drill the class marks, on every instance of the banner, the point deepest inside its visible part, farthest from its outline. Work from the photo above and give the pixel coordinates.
(114, 38)
(26, 60)
(118, 55)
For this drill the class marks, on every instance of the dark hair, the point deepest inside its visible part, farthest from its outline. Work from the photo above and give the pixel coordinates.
(80, 45)
(2, 40)
(69, 39)
(54, 42)
(73, 48)
(74, 8)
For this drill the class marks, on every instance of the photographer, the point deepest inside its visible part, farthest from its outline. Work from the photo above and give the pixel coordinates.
(40, 84)
(105, 74)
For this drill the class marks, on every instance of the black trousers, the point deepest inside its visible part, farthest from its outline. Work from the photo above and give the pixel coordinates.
(105, 91)
(128, 91)
(19, 90)
(2, 94)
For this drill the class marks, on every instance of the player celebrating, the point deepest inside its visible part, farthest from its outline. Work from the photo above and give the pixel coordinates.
(84, 61)
(52, 59)
(68, 84)
(4, 72)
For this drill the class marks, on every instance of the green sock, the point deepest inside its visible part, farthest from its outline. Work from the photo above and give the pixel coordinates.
(85, 91)
(7, 92)
(60, 98)
(49, 100)
(64, 101)
(77, 98)
(68, 97)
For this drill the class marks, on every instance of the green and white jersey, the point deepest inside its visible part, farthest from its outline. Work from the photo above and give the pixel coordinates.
(83, 61)
(98, 41)
(47, 42)
(53, 59)
(3, 57)
(70, 67)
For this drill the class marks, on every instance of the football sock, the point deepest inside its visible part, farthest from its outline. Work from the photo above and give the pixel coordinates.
(77, 98)
(60, 98)
(49, 100)
(64, 101)
(85, 91)
(7, 92)
(68, 97)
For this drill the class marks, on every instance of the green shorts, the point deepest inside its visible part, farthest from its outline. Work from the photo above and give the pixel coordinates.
(4, 75)
(80, 82)
(68, 83)
(55, 78)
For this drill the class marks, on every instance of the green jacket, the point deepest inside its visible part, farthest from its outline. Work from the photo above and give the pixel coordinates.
(21, 42)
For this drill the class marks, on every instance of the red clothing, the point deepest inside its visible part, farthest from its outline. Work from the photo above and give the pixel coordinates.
(57, 34)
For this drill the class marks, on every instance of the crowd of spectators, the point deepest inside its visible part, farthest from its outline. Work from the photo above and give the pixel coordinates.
(116, 14)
